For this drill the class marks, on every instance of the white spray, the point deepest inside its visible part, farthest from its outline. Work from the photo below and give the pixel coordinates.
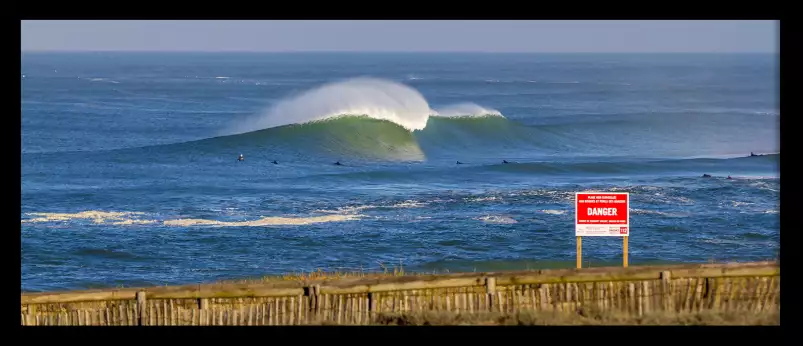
(372, 97)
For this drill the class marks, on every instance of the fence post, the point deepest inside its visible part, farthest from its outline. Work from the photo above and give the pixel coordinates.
(142, 311)
(313, 293)
(31, 315)
(666, 294)
(371, 307)
(708, 291)
(490, 290)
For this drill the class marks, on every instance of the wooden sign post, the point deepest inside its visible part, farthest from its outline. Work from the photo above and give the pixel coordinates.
(624, 251)
(579, 252)
(601, 214)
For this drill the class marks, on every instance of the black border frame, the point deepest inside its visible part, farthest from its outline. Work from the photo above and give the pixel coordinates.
(140, 10)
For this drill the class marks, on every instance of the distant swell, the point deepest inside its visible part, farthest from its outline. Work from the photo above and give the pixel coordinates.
(375, 119)
(366, 137)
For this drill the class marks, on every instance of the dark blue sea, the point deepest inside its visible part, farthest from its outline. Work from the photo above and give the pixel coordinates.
(130, 174)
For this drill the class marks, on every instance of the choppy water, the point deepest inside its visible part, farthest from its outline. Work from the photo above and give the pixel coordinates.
(129, 171)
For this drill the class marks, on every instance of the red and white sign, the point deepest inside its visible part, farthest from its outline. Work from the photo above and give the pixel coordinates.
(602, 214)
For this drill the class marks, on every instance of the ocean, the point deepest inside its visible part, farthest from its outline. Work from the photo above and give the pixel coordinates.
(130, 174)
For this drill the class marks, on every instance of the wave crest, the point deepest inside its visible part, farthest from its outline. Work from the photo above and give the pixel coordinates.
(365, 96)
(466, 110)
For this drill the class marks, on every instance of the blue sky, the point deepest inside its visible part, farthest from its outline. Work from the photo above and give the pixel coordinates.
(396, 35)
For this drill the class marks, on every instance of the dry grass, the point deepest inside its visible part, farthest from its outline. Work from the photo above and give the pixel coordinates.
(319, 274)
(384, 271)
(537, 318)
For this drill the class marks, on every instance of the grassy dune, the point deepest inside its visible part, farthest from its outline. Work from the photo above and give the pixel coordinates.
(324, 275)
(385, 271)
(537, 318)
(583, 316)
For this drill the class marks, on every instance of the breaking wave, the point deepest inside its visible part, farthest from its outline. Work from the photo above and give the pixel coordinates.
(370, 97)
(358, 118)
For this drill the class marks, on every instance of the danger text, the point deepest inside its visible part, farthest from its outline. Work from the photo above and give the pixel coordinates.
(602, 211)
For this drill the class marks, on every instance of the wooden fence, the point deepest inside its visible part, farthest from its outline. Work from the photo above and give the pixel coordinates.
(749, 287)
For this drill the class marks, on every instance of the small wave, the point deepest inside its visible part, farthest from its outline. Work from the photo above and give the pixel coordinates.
(345, 210)
(764, 185)
(409, 204)
(553, 212)
(96, 216)
(266, 221)
(773, 114)
(634, 189)
(130, 222)
(222, 77)
(676, 200)
(497, 219)
(756, 235)
(722, 241)
(134, 218)
(551, 195)
(672, 229)
(359, 208)
(654, 212)
(483, 199)
(466, 110)
(739, 204)
(103, 80)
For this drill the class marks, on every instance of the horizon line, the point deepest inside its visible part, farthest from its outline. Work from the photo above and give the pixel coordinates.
(384, 51)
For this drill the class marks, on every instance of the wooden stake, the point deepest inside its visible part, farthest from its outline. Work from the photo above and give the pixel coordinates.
(624, 250)
(142, 308)
(580, 252)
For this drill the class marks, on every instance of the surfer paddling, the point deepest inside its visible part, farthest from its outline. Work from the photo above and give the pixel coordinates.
(240, 158)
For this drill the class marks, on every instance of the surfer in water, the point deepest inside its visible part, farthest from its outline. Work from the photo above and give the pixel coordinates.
(505, 161)
(338, 163)
(706, 175)
(459, 163)
(729, 177)
(275, 163)
(240, 158)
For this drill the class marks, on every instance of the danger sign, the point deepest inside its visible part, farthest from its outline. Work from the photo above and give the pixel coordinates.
(602, 214)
